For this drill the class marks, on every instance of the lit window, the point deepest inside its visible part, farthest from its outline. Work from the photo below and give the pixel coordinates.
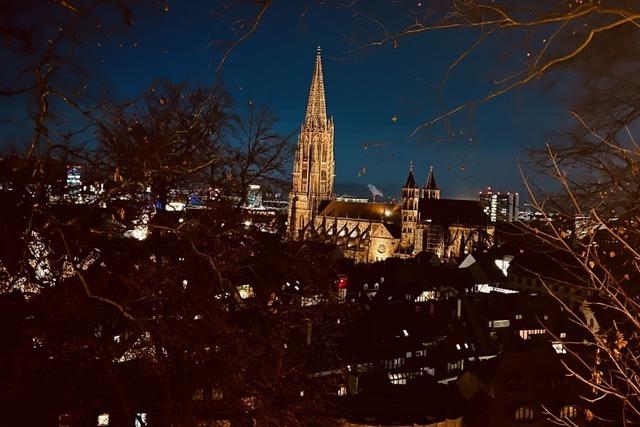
(198, 394)
(559, 348)
(246, 291)
(103, 420)
(569, 412)
(454, 366)
(500, 323)
(216, 394)
(141, 419)
(249, 402)
(524, 413)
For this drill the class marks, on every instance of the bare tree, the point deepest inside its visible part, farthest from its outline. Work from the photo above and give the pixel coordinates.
(97, 321)
(592, 39)
(171, 136)
(257, 153)
(601, 241)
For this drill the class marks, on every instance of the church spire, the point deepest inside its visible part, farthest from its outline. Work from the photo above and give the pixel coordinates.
(313, 165)
(431, 189)
(316, 117)
(431, 180)
(411, 181)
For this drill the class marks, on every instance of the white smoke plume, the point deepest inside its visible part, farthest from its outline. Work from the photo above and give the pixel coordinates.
(374, 191)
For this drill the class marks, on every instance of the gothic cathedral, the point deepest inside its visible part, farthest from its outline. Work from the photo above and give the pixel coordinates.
(368, 232)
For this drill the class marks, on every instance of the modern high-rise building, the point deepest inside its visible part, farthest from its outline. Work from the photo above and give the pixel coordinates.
(254, 197)
(74, 176)
(74, 183)
(499, 206)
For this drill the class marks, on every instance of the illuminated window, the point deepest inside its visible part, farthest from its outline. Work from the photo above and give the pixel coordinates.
(216, 394)
(454, 366)
(524, 414)
(249, 402)
(141, 419)
(499, 323)
(245, 291)
(103, 420)
(559, 348)
(569, 412)
(398, 379)
(198, 394)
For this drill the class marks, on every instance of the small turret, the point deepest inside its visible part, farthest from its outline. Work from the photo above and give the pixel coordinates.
(431, 190)
(411, 181)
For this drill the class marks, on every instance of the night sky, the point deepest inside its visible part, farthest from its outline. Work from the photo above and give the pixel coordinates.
(364, 90)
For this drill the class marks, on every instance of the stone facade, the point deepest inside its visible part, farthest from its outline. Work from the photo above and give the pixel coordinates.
(369, 232)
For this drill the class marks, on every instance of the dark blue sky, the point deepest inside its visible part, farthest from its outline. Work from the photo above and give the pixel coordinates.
(364, 90)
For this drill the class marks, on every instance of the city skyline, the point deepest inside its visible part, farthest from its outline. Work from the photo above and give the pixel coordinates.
(374, 116)
(185, 240)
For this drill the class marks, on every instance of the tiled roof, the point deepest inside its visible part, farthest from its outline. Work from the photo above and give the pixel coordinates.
(383, 212)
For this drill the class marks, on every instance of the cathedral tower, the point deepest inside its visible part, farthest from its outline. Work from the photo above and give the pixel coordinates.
(409, 208)
(431, 190)
(314, 165)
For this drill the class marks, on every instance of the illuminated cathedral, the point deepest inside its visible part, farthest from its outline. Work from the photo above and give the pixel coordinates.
(369, 232)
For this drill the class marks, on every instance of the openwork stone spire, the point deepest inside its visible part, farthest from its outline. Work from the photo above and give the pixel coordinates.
(314, 165)
(316, 117)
